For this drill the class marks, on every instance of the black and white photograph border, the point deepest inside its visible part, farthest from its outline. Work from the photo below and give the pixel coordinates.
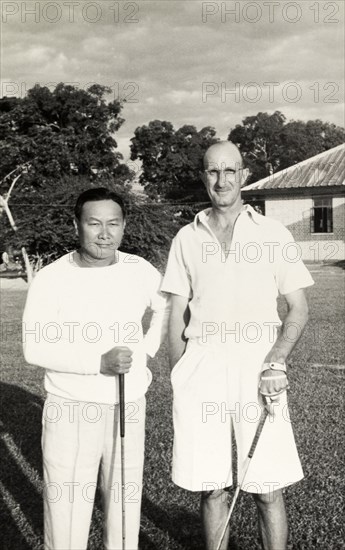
(129, 96)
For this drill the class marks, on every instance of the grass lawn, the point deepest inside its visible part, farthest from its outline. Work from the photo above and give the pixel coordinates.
(170, 516)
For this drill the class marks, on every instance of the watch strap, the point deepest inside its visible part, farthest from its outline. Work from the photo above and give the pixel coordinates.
(274, 366)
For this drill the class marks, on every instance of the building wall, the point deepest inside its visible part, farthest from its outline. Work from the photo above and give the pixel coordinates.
(295, 214)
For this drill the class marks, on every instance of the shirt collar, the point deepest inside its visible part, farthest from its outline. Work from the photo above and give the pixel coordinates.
(201, 216)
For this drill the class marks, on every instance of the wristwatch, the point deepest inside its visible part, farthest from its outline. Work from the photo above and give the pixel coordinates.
(274, 366)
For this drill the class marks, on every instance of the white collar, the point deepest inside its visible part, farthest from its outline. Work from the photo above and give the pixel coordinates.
(201, 217)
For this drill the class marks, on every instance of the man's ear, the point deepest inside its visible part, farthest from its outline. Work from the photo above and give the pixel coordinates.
(75, 223)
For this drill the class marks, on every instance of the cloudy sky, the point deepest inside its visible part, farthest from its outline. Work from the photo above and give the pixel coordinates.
(186, 61)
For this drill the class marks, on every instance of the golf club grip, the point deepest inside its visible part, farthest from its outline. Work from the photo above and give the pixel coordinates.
(122, 404)
(258, 432)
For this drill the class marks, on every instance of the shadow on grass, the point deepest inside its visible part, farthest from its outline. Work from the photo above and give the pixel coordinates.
(183, 526)
(20, 445)
(22, 505)
(340, 263)
(10, 536)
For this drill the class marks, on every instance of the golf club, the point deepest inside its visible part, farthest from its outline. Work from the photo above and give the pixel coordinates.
(122, 436)
(245, 469)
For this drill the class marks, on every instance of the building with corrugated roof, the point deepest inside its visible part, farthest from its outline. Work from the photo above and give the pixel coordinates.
(309, 199)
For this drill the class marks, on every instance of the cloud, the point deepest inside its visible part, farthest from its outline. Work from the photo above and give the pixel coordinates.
(181, 97)
(160, 55)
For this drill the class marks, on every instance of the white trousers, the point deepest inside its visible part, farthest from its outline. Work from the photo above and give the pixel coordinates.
(78, 440)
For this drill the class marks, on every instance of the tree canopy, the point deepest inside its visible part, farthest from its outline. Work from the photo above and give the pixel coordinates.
(45, 224)
(63, 132)
(60, 142)
(269, 143)
(172, 159)
(55, 144)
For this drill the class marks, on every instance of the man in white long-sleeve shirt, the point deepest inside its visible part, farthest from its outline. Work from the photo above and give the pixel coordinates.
(82, 323)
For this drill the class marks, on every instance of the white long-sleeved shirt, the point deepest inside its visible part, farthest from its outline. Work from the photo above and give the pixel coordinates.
(73, 315)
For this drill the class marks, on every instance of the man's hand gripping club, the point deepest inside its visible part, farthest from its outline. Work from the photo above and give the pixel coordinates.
(273, 382)
(117, 360)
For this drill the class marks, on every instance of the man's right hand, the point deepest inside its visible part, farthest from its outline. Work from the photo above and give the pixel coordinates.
(117, 360)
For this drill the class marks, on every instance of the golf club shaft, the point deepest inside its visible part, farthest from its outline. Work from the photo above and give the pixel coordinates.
(233, 502)
(245, 469)
(122, 437)
(256, 437)
(122, 404)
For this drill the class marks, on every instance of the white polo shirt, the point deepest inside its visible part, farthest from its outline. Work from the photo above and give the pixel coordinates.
(73, 315)
(233, 293)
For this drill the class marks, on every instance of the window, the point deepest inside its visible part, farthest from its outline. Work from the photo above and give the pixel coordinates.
(322, 216)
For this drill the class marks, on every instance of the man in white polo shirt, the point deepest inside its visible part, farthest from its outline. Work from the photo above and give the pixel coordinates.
(228, 349)
(82, 323)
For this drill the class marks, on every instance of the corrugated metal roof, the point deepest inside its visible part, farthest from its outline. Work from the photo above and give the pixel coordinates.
(323, 170)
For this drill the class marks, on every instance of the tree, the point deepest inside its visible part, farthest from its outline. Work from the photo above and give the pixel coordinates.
(171, 159)
(302, 140)
(13, 177)
(46, 228)
(63, 132)
(259, 141)
(269, 144)
(66, 138)
(151, 226)
(44, 222)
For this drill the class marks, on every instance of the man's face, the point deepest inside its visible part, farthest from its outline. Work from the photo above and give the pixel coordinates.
(223, 176)
(100, 229)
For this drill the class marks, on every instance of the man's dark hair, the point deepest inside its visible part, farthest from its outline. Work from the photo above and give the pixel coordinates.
(98, 194)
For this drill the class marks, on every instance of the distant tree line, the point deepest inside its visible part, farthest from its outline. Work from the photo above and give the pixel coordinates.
(54, 144)
(269, 143)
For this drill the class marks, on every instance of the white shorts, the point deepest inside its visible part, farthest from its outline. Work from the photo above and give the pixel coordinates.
(216, 390)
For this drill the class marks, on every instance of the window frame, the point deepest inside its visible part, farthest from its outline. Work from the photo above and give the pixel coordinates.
(326, 204)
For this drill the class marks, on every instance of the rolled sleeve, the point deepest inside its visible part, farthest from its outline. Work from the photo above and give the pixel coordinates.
(290, 272)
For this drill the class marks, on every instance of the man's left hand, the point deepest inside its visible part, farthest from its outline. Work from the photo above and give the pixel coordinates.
(272, 384)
